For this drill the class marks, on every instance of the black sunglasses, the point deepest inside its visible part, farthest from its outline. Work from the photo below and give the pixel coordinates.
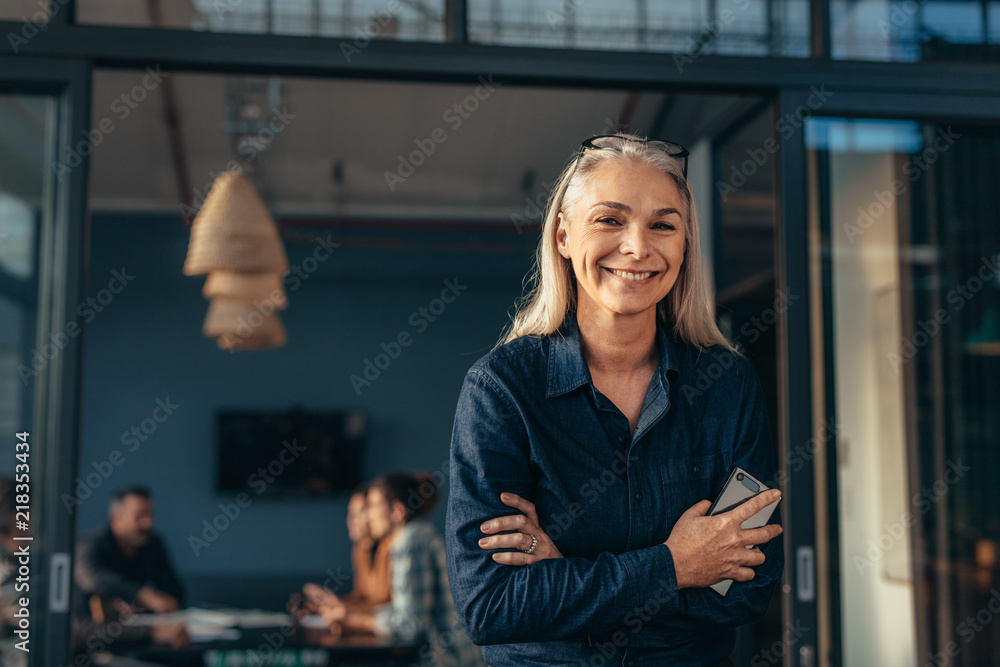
(675, 151)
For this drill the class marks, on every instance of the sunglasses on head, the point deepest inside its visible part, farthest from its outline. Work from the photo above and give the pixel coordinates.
(675, 151)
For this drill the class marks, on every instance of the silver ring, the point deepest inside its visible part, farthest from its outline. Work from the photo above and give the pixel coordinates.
(534, 543)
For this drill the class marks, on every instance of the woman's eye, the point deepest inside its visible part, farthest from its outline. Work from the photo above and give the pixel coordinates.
(664, 225)
(608, 221)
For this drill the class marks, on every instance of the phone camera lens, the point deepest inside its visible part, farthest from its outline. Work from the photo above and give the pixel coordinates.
(739, 476)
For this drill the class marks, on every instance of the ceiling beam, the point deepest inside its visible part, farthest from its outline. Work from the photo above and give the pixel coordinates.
(179, 50)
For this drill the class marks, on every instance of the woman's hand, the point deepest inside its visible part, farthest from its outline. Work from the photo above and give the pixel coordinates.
(334, 614)
(174, 635)
(708, 549)
(298, 606)
(526, 524)
(325, 601)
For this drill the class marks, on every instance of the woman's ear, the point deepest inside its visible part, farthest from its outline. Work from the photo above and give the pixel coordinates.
(397, 512)
(562, 234)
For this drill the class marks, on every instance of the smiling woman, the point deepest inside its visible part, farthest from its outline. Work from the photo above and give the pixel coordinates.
(587, 385)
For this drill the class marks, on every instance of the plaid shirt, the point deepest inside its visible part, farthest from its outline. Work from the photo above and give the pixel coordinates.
(421, 608)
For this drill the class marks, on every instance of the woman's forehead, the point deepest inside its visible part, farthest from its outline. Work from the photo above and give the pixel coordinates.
(632, 184)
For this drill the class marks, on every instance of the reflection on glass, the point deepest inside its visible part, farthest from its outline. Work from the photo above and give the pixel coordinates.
(915, 31)
(914, 250)
(689, 29)
(18, 236)
(26, 131)
(747, 301)
(361, 20)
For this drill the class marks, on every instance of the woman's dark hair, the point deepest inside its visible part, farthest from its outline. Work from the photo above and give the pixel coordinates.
(418, 493)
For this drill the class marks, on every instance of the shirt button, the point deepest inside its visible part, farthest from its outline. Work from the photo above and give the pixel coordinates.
(697, 468)
(621, 438)
(638, 497)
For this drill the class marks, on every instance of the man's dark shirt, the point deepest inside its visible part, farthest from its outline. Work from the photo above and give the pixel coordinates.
(102, 568)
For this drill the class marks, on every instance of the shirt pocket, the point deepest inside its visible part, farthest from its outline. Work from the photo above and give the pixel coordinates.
(688, 481)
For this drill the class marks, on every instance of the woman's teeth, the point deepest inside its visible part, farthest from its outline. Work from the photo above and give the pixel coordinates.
(632, 276)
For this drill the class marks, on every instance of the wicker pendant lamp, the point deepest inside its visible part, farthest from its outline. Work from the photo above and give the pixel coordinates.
(235, 240)
(248, 287)
(234, 231)
(243, 325)
(276, 338)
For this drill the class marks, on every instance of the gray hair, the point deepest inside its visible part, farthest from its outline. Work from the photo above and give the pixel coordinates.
(687, 309)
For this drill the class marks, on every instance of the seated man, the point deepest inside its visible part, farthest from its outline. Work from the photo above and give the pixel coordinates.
(126, 560)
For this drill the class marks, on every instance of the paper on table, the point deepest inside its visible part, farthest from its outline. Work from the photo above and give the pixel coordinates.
(256, 618)
(314, 622)
(226, 618)
(209, 633)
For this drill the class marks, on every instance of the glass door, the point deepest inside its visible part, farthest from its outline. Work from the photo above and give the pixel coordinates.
(41, 227)
(905, 235)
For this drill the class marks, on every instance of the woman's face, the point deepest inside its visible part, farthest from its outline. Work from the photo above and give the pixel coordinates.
(625, 237)
(357, 518)
(381, 521)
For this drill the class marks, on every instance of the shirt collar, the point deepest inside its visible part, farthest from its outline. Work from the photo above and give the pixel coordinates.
(568, 370)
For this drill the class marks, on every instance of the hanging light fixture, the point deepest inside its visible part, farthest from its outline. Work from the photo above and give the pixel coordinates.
(235, 240)
(234, 231)
(249, 287)
(242, 325)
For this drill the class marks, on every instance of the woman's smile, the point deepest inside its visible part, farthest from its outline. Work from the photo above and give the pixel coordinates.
(633, 277)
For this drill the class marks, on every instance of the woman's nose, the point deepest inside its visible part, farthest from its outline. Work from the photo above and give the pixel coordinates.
(635, 242)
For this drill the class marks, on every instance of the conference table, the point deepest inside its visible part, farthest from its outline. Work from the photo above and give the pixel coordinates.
(255, 638)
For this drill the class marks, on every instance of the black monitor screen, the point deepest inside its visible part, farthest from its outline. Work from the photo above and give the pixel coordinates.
(290, 453)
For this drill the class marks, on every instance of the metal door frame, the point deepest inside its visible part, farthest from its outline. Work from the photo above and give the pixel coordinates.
(55, 433)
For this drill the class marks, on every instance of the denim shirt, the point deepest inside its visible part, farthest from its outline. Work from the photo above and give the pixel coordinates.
(530, 421)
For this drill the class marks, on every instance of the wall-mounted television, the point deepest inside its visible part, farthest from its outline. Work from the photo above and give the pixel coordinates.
(289, 454)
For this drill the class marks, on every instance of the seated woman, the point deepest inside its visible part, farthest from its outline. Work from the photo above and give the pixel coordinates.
(369, 557)
(420, 608)
(369, 563)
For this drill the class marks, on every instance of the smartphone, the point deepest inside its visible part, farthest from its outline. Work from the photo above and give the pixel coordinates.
(739, 488)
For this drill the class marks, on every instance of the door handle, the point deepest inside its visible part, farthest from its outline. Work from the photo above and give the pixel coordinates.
(59, 571)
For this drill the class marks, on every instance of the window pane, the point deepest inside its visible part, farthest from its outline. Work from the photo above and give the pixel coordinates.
(27, 125)
(690, 28)
(897, 30)
(412, 20)
(914, 279)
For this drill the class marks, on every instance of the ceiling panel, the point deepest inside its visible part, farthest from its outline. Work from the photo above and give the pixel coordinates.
(499, 145)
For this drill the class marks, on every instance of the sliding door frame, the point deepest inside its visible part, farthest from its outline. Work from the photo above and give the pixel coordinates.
(919, 107)
(55, 432)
